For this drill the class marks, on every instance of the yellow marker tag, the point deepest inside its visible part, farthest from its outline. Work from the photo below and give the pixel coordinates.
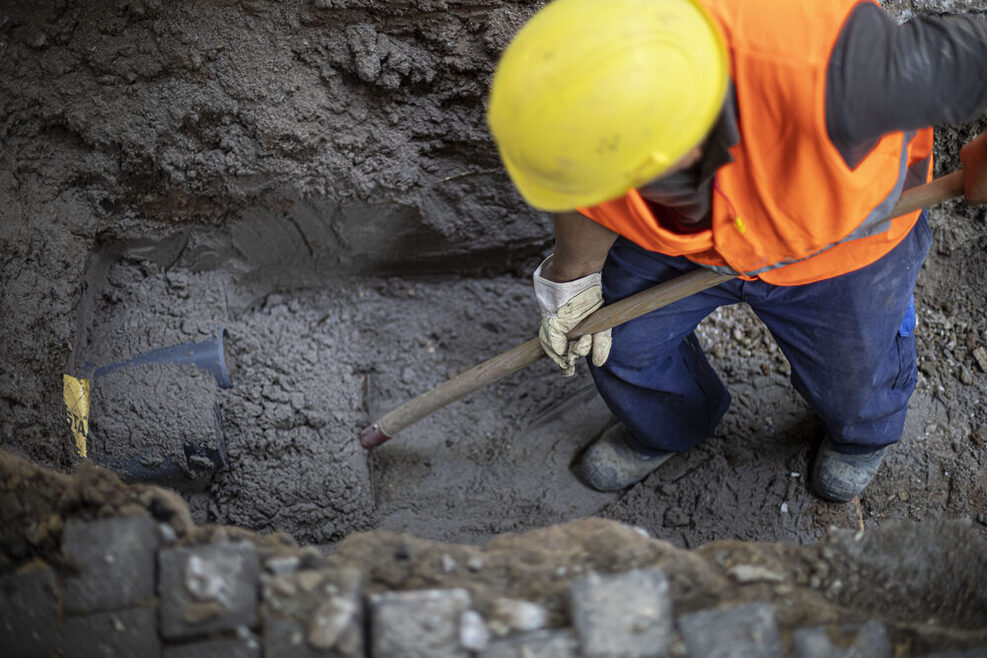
(739, 223)
(76, 394)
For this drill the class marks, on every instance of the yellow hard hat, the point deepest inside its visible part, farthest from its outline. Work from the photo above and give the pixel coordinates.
(594, 97)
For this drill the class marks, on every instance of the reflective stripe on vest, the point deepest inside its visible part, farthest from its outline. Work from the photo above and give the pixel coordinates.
(878, 221)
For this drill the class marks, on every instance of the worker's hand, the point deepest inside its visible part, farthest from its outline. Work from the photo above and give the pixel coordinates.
(563, 306)
(974, 158)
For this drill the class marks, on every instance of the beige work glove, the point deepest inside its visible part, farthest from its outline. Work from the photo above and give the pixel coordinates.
(563, 306)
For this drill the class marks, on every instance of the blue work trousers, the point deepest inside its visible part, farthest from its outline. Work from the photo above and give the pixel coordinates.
(849, 341)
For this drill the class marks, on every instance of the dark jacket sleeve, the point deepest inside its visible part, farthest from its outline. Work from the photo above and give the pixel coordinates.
(884, 77)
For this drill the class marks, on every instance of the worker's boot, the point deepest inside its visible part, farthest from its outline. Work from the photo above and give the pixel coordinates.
(609, 464)
(839, 477)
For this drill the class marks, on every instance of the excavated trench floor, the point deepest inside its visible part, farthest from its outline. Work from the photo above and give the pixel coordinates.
(313, 365)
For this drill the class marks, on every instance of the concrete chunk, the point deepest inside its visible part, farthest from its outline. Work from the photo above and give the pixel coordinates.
(240, 647)
(124, 633)
(509, 616)
(626, 615)
(207, 588)
(846, 641)
(742, 631)
(313, 613)
(114, 563)
(422, 623)
(29, 612)
(538, 644)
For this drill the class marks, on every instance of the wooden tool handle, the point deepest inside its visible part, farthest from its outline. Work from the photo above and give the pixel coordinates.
(526, 353)
(941, 189)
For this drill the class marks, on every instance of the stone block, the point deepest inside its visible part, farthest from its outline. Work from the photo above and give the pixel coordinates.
(204, 589)
(29, 612)
(239, 647)
(538, 644)
(313, 613)
(508, 616)
(626, 615)
(845, 641)
(113, 563)
(743, 631)
(124, 633)
(422, 623)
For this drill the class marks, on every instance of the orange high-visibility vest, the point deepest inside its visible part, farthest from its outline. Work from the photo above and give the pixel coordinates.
(788, 209)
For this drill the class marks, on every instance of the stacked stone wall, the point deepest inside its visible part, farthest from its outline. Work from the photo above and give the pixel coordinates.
(106, 569)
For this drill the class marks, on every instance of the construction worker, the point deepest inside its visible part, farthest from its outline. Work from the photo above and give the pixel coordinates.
(761, 138)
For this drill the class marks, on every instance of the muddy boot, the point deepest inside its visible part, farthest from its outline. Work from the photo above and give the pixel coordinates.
(839, 477)
(609, 464)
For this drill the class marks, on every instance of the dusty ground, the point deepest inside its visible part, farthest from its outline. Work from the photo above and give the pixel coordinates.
(316, 177)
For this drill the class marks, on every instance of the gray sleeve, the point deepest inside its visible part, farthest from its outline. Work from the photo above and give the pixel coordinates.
(884, 77)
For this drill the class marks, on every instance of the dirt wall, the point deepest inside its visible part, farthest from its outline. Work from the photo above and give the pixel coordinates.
(348, 135)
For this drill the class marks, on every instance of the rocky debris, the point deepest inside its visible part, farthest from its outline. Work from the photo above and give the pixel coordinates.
(29, 611)
(743, 631)
(624, 615)
(313, 612)
(114, 561)
(211, 588)
(514, 616)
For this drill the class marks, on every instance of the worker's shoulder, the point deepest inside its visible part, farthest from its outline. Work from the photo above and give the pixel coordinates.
(797, 33)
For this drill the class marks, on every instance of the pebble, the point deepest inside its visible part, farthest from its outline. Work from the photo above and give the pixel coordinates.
(903, 496)
(283, 587)
(751, 573)
(167, 533)
(408, 375)
(514, 615)
(475, 563)
(448, 563)
(980, 354)
(473, 632)
(965, 377)
(282, 565)
(979, 436)
(308, 580)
